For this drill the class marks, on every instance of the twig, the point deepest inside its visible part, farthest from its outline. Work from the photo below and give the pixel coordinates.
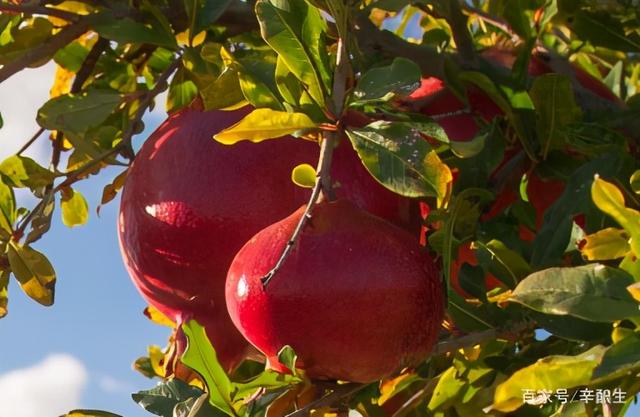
(44, 50)
(473, 339)
(46, 11)
(323, 170)
(31, 141)
(342, 391)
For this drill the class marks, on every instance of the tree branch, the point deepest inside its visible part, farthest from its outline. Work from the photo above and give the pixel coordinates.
(461, 36)
(45, 50)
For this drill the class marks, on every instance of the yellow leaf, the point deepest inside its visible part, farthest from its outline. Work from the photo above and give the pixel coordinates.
(609, 243)
(33, 271)
(263, 124)
(74, 208)
(61, 82)
(631, 264)
(550, 373)
(156, 357)
(157, 317)
(390, 387)
(634, 290)
(304, 175)
(608, 198)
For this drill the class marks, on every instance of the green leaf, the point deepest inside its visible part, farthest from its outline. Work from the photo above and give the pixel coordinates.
(182, 91)
(483, 82)
(74, 208)
(281, 26)
(78, 113)
(592, 292)
(256, 78)
(620, 358)
(268, 380)
(550, 10)
(550, 373)
(608, 198)
(263, 124)
(4, 294)
(90, 413)
(33, 271)
(603, 29)
(609, 243)
(7, 208)
(224, 92)
(556, 108)
(506, 264)
(401, 77)
(288, 357)
(204, 13)
(126, 30)
(572, 328)
(401, 160)
(163, 398)
(22, 171)
(304, 175)
(201, 357)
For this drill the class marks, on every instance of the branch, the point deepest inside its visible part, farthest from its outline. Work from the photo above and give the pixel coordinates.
(41, 10)
(375, 42)
(45, 50)
(461, 36)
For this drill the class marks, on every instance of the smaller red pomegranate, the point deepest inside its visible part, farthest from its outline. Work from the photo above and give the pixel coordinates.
(357, 299)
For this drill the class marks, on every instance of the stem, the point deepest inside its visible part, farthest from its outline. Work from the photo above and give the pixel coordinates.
(45, 50)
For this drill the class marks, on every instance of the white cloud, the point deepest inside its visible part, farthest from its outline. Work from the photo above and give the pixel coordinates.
(20, 98)
(112, 385)
(49, 388)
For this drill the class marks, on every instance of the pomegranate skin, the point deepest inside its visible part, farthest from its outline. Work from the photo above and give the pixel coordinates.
(356, 299)
(190, 203)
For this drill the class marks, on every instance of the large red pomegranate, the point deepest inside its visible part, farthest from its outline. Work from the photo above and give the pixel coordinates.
(357, 299)
(190, 203)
